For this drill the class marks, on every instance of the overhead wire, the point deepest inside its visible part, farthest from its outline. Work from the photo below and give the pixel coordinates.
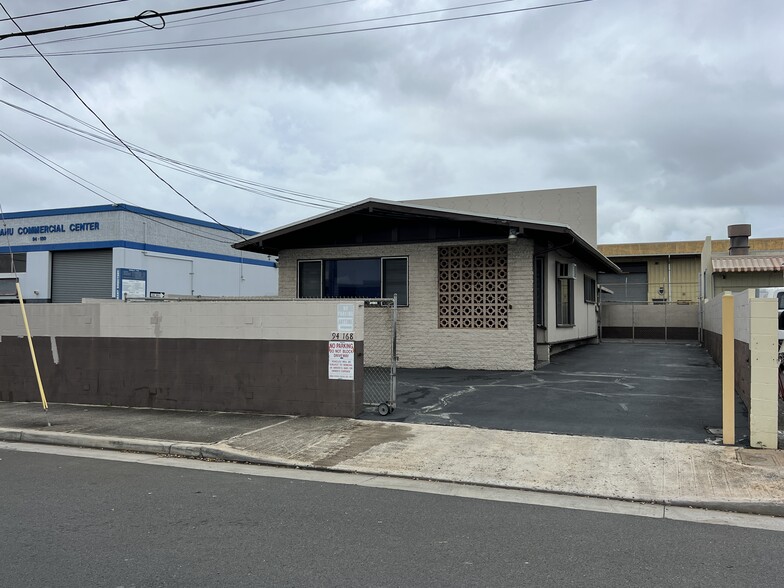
(85, 183)
(60, 10)
(199, 44)
(141, 17)
(101, 137)
(204, 19)
(328, 25)
(108, 128)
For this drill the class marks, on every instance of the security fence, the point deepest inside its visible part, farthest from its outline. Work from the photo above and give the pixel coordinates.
(637, 310)
(380, 354)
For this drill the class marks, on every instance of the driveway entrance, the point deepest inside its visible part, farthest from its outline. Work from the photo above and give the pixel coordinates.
(633, 391)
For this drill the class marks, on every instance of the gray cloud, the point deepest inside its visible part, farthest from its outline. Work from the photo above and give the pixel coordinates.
(672, 109)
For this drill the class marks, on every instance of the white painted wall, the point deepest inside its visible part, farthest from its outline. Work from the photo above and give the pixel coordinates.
(585, 315)
(181, 275)
(37, 277)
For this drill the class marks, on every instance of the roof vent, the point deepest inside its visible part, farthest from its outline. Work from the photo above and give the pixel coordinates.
(739, 239)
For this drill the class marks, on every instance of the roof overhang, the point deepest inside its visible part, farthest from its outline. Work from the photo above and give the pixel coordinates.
(748, 263)
(382, 222)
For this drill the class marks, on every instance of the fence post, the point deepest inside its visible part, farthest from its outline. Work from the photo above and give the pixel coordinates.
(728, 368)
(666, 306)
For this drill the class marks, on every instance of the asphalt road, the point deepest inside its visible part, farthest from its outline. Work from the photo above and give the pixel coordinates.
(664, 392)
(88, 522)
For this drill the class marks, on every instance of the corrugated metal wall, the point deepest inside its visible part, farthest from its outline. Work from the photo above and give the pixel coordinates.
(82, 274)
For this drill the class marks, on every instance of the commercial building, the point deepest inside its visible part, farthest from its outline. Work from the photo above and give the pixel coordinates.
(658, 294)
(675, 271)
(494, 281)
(67, 254)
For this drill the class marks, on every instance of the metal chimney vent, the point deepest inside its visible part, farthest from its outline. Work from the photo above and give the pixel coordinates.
(739, 239)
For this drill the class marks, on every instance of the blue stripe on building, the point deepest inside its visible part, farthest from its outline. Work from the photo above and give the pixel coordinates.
(141, 247)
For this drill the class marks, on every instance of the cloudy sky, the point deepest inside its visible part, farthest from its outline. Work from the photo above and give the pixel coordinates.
(674, 109)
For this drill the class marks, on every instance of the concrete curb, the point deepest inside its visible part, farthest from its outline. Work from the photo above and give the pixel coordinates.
(218, 453)
(152, 446)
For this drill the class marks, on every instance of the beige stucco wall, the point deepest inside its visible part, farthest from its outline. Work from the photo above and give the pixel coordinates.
(575, 207)
(421, 343)
(299, 320)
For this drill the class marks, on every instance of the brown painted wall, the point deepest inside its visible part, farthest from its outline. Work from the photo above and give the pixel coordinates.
(713, 345)
(279, 377)
(679, 333)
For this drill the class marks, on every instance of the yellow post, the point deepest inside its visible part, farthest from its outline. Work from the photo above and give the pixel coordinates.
(32, 349)
(728, 368)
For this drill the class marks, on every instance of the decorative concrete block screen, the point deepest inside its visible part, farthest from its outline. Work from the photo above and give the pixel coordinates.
(473, 287)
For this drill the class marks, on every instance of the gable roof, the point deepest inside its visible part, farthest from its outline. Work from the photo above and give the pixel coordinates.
(381, 222)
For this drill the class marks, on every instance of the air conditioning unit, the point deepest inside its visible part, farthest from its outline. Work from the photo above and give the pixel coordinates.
(567, 270)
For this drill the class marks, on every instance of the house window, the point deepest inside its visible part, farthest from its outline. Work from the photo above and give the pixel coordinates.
(394, 279)
(564, 295)
(376, 277)
(589, 285)
(539, 290)
(309, 279)
(473, 287)
(19, 263)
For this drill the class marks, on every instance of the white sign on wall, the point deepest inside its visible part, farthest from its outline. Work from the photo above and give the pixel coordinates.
(341, 360)
(345, 317)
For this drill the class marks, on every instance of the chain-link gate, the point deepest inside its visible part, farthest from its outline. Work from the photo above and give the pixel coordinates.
(380, 354)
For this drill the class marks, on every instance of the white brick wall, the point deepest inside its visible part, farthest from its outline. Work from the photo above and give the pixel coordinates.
(421, 343)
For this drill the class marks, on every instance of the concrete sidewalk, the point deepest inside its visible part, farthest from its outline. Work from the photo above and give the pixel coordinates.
(700, 475)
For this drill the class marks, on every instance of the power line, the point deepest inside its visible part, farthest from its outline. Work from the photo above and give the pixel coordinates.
(328, 25)
(204, 19)
(192, 45)
(141, 17)
(95, 114)
(64, 9)
(85, 183)
(103, 138)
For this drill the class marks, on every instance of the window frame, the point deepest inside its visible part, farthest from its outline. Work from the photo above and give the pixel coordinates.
(383, 282)
(540, 291)
(382, 287)
(589, 289)
(19, 265)
(560, 284)
(299, 275)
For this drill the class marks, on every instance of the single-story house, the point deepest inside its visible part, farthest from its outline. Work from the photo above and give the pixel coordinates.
(478, 287)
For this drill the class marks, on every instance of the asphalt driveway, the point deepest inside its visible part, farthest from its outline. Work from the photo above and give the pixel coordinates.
(655, 391)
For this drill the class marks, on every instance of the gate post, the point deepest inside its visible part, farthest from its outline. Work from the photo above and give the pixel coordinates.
(728, 368)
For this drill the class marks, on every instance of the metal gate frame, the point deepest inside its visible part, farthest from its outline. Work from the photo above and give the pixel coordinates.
(383, 397)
